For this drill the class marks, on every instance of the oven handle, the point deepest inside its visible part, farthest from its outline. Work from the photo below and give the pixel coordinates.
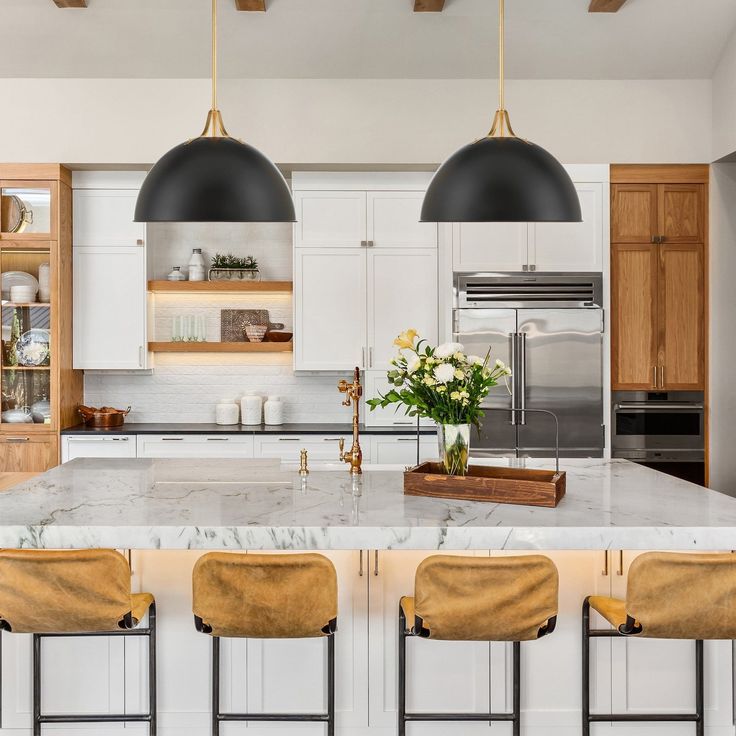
(654, 407)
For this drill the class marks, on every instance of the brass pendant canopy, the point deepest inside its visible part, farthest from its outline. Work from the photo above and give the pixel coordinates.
(501, 178)
(214, 178)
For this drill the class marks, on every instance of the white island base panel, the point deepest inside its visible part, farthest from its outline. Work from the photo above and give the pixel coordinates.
(368, 532)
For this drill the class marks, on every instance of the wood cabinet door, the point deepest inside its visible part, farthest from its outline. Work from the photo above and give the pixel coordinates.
(633, 213)
(634, 308)
(28, 453)
(681, 213)
(681, 324)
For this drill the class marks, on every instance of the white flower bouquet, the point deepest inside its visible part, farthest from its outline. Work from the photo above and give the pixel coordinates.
(443, 384)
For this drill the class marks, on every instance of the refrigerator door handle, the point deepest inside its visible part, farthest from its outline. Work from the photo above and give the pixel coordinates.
(514, 348)
(521, 369)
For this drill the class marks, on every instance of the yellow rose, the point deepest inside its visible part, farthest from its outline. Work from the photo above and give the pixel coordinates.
(406, 339)
(459, 375)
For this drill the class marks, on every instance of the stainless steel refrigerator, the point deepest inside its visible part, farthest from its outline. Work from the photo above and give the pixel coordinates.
(549, 329)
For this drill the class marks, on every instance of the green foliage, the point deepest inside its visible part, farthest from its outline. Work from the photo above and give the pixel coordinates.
(231, 261)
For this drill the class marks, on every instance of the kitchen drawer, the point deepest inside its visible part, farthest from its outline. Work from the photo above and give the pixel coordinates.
(80, 445)
(392, 450)
(28, 453)
(321, 448)
(195, 445)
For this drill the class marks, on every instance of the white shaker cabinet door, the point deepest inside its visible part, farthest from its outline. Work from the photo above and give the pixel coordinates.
(330, 308)
(195, 446)
(105, 217)
(321, 449)
(84, 445)
(375, 384)
(402, 450)
(110, 324)
(329, 219)
(490, 246)
(572, 246)
(393, 221)
(402, 294)
(442, 676)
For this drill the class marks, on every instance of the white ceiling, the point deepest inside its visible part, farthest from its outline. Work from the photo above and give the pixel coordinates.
(546, 39)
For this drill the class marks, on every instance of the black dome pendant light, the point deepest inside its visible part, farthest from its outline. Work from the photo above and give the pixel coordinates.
(501, 178)
(214, 178)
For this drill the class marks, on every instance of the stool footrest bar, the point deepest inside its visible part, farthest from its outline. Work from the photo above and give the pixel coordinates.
(459, 716)
(92, 718)
(319, 717)
(635, 718)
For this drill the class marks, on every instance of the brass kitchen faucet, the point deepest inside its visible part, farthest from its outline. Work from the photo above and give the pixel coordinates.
(353, 391)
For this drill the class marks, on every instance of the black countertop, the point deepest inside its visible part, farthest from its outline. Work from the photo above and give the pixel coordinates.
(201, 428)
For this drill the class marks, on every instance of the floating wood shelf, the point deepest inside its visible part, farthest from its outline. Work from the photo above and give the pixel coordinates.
(12, 305)
(26, 367)
(221, 347)
(191, 287)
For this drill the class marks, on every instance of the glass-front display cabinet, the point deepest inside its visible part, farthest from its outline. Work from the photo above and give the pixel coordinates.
(39, 391)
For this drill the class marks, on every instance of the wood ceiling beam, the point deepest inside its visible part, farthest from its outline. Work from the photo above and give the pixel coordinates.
(71, 3)
(605, 6)
(428, 6)
(258, 5)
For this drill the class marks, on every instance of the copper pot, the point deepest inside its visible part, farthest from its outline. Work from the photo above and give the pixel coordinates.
(104, 417)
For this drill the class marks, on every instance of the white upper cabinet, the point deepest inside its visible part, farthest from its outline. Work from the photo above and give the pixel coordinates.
(490, 246)
(402, 294)
(334, 219)
(110, 308)
(110, 291)
(393, 221)
(572, 246)
(330, 309)
(105, 217)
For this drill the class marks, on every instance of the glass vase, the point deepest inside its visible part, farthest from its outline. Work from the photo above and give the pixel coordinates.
(454, 447)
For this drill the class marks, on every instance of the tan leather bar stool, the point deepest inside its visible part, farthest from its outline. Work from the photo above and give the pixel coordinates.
(668, 596)
(478, 599)
(75, 593)
(260, 596)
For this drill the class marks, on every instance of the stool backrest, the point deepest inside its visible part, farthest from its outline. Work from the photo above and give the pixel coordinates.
(265, 596)
(63, 591)
(486, 598)
(683, 596)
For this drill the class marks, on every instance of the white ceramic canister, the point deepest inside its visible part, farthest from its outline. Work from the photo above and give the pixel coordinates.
(176, 274)
(273, 411)
(250, 408)
(196, 265)
(227, 412)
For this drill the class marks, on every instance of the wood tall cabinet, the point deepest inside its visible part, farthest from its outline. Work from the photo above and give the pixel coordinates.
(41, 385)
(659, 247)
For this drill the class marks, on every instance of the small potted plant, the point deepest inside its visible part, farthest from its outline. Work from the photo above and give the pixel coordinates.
(233, 268)
(443, 384)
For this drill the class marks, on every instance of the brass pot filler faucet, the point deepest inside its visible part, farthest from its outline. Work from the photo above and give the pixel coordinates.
(353, 391)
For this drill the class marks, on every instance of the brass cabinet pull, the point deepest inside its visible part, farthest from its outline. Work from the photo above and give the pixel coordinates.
(604, 572)
(375, 563)
(18, 439)
(661, 376)
(172, 439)
(620, 570)
(654, 371)
(360, 563)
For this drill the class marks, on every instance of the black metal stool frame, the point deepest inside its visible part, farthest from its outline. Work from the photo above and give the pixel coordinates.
(514, 716)
(698, 718)
(219, 717)
(149, 631)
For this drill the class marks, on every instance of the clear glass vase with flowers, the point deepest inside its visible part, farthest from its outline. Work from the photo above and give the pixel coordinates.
(443, 384)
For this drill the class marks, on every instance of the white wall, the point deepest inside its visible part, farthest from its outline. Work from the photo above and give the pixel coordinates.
(722, 333)
(724, 103)
(349, 121)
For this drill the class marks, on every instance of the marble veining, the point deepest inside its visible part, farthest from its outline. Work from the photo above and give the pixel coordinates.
(262, 505)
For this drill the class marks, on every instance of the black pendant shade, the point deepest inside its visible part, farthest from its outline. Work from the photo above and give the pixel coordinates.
(501, 179)
(214, 179)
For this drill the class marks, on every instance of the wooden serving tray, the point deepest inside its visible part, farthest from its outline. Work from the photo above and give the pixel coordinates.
(522, 486)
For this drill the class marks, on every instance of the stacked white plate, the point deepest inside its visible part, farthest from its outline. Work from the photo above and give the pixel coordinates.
(21, 294)
(18, 278)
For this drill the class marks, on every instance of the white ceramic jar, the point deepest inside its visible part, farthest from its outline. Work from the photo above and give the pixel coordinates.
(273, 411)
(226, 412)
(196, 265)
(176, 274)
(250, 409)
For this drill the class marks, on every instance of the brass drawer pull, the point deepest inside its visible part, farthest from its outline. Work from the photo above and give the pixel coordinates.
(18, 439)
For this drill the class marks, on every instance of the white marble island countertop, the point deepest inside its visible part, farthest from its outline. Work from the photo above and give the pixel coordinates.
(260, 505)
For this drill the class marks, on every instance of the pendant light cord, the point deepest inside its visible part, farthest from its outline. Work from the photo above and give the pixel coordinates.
(501, 127)
(214, 54)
